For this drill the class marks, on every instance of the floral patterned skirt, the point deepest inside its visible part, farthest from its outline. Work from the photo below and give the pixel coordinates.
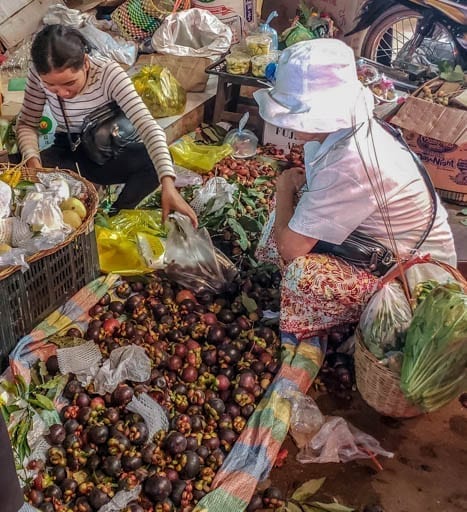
(319, 291)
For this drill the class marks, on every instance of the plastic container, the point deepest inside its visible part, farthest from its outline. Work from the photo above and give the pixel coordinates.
(384, 91)
(259, 63)
(244, 142)
(258, 44)
(238, 63)
(367, 74)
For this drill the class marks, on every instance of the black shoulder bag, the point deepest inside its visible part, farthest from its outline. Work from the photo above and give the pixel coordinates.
(364, 251)
(105, 133)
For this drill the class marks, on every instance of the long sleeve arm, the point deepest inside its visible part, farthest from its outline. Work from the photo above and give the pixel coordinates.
(30, 115)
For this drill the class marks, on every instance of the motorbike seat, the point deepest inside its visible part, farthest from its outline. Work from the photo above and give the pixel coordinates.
(453, 9)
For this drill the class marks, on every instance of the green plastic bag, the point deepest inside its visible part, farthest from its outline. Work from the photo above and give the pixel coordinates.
(200, 158)
(160, 91)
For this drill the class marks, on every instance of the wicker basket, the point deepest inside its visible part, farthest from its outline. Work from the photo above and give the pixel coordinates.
(379, 386)
(54, 275)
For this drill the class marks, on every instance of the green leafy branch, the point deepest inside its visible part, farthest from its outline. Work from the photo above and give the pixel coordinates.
(302, 500)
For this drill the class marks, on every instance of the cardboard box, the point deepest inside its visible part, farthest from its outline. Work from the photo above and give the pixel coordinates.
(12, 102)
(24, 22)
(280, 137)
(438, 134)
(10, 7)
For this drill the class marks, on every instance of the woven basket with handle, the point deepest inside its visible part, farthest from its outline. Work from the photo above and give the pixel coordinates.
(377, 384)
(90, 199)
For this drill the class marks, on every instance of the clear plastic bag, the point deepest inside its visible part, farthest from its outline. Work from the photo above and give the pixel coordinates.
(217, 192)
(339, 441)
(385, 320)
(244, 142)
(191, 259)
(200, 158)
(192, 33)
(306, 418)
(160, 91)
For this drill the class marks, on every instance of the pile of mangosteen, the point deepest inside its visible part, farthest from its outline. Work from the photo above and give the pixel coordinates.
(211, 363)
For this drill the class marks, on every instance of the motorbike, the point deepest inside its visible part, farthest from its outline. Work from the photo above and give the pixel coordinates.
(420, 38)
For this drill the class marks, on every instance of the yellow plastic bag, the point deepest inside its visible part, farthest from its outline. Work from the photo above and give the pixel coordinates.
(200, 158)
(129, 244)
(160, 91)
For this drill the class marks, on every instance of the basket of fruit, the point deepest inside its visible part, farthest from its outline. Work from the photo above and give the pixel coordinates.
(53, 274)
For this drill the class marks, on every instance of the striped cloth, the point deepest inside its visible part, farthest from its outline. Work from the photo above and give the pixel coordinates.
(73, 313)
(253, 455)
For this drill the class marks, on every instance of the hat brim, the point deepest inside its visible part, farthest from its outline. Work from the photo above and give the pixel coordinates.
(325, 113)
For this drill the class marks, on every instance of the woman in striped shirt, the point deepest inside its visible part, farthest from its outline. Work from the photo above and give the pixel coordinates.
(63, 71)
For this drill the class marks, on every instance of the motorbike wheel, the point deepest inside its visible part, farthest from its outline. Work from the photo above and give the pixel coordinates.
(391, 32)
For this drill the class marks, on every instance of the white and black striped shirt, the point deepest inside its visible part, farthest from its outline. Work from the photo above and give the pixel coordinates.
(106, 82)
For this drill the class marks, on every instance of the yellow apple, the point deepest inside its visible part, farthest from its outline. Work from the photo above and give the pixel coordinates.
(75, 205)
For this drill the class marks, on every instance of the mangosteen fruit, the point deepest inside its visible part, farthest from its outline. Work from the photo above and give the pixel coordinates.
(273, 497)
(47, 507)
(175, 443)
(52, 365)
(99, 434)
(53, 491)
(157, 488)
(131, 461)
(82, 505)
(122, 395)
(72, 388)
(98, 498)
(256, 503)
(178, 486)
(57, 434)
(112, 465)
(191, 465)
(139, 433)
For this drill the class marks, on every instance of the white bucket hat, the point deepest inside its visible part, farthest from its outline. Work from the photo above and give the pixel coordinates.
(316, 89)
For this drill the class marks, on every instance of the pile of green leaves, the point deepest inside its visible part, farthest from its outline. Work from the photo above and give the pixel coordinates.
(435, 354)
(23, 404)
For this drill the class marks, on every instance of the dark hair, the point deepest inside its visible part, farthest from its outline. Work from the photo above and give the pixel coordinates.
(58, 47)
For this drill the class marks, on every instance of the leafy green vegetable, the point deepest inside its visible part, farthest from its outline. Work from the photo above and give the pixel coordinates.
(435, 353)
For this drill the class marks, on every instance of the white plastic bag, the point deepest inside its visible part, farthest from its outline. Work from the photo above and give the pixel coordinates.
(124, 363)
(306, 418)
(42, 212)
(339, 441)
(217, 190)
(192, 33)
(191, 259)
(6, 195)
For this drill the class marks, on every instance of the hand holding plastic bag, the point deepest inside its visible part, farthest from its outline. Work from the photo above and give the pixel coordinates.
(160, 91)
(191, 259)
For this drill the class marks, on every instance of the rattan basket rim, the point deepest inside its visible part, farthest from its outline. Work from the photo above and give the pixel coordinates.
(92, 202)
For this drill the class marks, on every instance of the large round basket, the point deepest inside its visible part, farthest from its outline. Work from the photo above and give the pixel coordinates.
(90, 199)
(379, 386)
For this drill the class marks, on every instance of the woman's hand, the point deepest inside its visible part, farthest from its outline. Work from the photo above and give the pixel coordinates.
(33, 163)
(173, 201)
(291, 180)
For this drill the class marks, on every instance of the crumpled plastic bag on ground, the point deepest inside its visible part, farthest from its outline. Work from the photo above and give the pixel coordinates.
(339, 441)
(306, 418)
(217, 192)
(192, 33)
(124, 363)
